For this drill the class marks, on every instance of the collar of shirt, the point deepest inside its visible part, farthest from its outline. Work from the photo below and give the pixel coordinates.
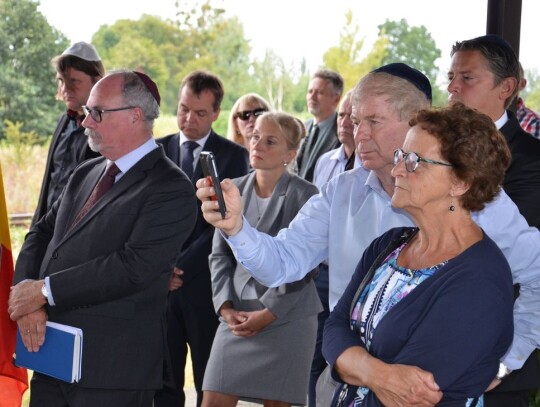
(200, 142)
(374, 183)
(75, 116)
(339, 154)
(127, 161)
(325, 124)
(502, 120)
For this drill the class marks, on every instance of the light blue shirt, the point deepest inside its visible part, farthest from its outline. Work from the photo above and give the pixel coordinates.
(329, 165)
(352, 210)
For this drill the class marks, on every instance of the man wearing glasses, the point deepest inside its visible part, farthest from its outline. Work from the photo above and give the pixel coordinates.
(190, 314)
(355, 207)
(100, 259)
(78, 68)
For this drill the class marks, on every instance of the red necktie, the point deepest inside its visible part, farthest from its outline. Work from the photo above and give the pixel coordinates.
(104, 184)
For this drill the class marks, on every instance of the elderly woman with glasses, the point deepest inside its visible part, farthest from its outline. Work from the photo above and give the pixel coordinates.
(438, 296)
(243, 115)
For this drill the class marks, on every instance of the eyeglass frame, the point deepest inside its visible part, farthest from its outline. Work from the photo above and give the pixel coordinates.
(415, 162)
(89, 111)
(246, 114)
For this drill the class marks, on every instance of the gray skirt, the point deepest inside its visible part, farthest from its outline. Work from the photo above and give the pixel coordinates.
(275, 364)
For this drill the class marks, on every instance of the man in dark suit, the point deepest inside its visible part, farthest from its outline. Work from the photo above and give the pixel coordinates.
(190, 315)
(324, 91)
(484, 75)
(78, 68)
(108, 271)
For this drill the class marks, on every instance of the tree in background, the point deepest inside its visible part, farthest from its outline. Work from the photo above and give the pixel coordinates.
(346, 57)
(149, 44)
(27, 85)
(200, 37)
(414, 46)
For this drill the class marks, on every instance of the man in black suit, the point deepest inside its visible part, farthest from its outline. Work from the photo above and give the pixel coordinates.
(323, 95)
(190, 315)
(108, 272)
(484, 74)
(78, 68)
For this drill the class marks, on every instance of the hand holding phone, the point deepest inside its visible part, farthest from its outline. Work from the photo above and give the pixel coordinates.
(208, 165)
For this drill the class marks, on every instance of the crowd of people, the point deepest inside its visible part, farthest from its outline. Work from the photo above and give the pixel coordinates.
(382, 253)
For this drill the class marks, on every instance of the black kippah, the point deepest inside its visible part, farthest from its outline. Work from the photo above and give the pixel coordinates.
(411, 75)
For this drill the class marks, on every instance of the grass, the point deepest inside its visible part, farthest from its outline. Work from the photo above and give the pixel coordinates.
(22, 171)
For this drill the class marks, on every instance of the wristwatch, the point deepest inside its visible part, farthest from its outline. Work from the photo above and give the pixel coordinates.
(44, 291)
(503, 371)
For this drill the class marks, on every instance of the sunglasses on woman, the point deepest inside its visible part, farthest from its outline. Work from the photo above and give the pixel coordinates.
(246, 114)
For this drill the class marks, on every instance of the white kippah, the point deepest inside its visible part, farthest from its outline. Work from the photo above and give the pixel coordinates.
(83, 50)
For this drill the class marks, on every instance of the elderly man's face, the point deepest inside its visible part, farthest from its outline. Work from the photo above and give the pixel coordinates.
(345, 127)
(378, 131)
(113, 136)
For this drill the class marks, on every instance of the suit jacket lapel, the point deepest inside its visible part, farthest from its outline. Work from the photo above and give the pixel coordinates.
(268, 220)
(173, 149)
(134, 175)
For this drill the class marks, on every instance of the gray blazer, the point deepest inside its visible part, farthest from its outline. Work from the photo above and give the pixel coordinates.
(288, 301)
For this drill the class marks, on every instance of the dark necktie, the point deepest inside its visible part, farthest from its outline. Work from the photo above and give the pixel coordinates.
(350, 162)
(104, 184)
(187, 157)
(313, 139)
(308, 145)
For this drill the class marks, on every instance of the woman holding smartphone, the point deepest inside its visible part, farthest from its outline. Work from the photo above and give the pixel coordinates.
(266, 338)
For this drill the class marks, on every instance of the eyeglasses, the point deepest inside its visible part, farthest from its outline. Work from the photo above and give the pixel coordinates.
(246, 114)
(412, 160)
(96, 113)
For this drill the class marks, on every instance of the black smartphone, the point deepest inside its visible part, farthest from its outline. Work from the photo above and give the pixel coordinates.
(208, 165)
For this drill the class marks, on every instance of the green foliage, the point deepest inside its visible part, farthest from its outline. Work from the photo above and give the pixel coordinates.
(150, 44)
(167, 50)
(345, 57)
(411, 45)
(27, 85)
(531, 93)
(19, 140)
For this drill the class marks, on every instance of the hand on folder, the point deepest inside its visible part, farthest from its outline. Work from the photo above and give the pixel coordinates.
(32, 329)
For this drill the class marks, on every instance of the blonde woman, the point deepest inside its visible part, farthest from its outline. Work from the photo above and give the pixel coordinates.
(264, 344)
(243, 115)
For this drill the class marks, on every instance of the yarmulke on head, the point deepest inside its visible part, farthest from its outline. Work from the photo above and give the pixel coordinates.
(150, 85)
(411, 75)
(83, 50)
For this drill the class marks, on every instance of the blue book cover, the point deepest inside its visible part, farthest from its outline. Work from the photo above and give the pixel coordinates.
(59, 357)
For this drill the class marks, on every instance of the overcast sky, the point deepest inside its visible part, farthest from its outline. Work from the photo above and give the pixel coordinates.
(297, 29)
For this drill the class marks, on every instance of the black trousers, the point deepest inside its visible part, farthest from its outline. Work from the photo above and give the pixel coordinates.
(190, 322)
(46, 391)
(507, 399)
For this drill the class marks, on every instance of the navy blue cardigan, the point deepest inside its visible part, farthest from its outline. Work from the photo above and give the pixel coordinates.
(457, 324)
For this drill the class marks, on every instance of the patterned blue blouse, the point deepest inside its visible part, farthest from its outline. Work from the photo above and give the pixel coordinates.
(390, 284)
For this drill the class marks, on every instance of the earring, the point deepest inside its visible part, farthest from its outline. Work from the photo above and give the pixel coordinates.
(285, 163)
(451, 208)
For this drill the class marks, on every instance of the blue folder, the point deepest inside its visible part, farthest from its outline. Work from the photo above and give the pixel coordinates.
(59, 357)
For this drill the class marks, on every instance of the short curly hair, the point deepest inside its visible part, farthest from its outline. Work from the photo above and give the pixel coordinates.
(472, 144)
